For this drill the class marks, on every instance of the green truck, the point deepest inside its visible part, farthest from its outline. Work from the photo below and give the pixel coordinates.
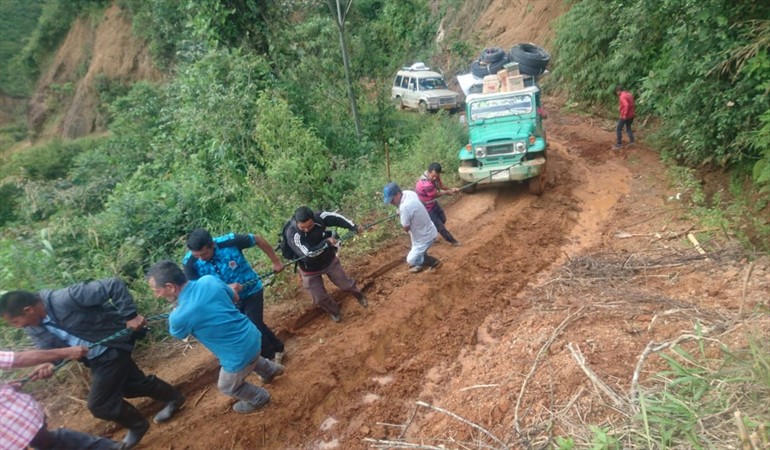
(506, 139)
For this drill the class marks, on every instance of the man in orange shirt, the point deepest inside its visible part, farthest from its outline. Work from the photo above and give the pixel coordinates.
(626, 107)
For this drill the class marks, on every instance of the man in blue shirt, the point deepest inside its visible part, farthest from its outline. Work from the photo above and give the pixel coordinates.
(223, 258)
(81, 315)
(205, 309)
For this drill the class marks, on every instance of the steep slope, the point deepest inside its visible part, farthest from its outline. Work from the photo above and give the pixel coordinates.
(66, 99)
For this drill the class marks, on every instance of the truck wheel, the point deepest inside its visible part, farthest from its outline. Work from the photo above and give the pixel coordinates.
(537, 184)
(422, 108)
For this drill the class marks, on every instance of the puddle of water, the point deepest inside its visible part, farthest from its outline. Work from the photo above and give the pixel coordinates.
(328, 424)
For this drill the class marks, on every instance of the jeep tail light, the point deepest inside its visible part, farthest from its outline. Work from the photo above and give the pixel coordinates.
(531, 139)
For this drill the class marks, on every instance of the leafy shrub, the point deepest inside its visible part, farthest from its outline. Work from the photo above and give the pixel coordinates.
(18, 18)
(10, 194)
(48, 161)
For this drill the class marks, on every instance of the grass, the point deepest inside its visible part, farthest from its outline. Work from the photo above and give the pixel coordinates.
(734, 208)
(692, 403)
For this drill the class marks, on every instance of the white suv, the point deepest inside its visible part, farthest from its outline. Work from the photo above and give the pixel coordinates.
(420, 88)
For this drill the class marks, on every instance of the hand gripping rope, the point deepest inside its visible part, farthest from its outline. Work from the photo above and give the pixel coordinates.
(109, 338)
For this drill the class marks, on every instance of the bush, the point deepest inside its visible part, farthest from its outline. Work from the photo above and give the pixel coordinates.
(49, 161)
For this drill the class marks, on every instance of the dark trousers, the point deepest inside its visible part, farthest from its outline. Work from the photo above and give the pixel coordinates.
(115, 376)
(64, 438)
(619, 130)
(254, 308)
(438, 217)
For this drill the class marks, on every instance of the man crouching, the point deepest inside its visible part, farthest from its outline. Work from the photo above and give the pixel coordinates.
(205, 308)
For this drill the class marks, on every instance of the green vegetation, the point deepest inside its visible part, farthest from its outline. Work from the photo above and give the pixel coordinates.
(235, 141)
(703, 68)
(693, 402)
(254, 121)
(18, 19)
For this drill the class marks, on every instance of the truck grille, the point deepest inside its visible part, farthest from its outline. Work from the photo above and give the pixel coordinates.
(503, 149)
(446, 101)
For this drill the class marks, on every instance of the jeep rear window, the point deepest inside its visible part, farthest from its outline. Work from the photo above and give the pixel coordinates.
(428, 84)
(397, 83)
(497, 107)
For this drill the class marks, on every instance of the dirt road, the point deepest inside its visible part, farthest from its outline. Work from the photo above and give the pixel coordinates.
(481, 336)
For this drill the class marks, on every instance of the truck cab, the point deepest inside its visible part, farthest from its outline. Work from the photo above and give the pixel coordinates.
(507, 140)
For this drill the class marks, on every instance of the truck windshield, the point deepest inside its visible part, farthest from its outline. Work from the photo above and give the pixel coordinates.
(499, 107)
(429, 84)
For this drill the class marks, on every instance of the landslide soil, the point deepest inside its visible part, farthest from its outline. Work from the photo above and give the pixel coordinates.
(465, 337)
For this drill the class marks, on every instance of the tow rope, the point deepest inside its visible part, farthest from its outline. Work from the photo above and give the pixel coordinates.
(109, 338)
(349, 235)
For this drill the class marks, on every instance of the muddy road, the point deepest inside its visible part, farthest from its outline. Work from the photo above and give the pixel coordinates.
(463, 337)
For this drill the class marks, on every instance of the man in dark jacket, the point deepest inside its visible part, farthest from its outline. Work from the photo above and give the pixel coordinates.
(84, 314)
(308, 238)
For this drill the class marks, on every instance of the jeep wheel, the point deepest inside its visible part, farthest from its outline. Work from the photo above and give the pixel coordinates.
(422, 108)
(537, 184)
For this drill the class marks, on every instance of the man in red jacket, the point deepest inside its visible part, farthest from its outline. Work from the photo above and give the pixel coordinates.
(626, 106)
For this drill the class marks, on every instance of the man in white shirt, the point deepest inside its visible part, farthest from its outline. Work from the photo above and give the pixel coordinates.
(416, 221)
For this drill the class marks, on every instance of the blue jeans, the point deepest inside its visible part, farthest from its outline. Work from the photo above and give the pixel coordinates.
(619, 130)
(234, 384)
(417, 253)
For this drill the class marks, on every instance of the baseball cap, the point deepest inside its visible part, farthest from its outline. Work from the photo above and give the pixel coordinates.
(390, 191)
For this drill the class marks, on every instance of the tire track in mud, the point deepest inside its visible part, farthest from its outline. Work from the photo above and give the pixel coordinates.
(343, 379)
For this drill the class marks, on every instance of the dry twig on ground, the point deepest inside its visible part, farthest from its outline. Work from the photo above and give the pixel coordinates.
(620, 404)
(567, 320)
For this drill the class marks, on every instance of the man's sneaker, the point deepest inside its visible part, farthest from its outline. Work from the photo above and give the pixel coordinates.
(362, 299)
(278, 358)
(169, 410)
(617, 147)
(415, 269)
(279, 370)
(456, 244)
(244, 407)
(336, 317)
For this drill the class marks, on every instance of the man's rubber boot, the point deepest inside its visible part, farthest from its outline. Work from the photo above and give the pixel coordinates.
(361, 299)
(165, 414)
(136, 424)
(431, 261)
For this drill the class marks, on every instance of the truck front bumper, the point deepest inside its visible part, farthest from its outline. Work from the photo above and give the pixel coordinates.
(502, 173)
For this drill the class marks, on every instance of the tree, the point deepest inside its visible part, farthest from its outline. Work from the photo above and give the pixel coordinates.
(340, 15)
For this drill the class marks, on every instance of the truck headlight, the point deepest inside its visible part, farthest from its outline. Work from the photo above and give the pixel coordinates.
(481, 152)
(520, 147)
